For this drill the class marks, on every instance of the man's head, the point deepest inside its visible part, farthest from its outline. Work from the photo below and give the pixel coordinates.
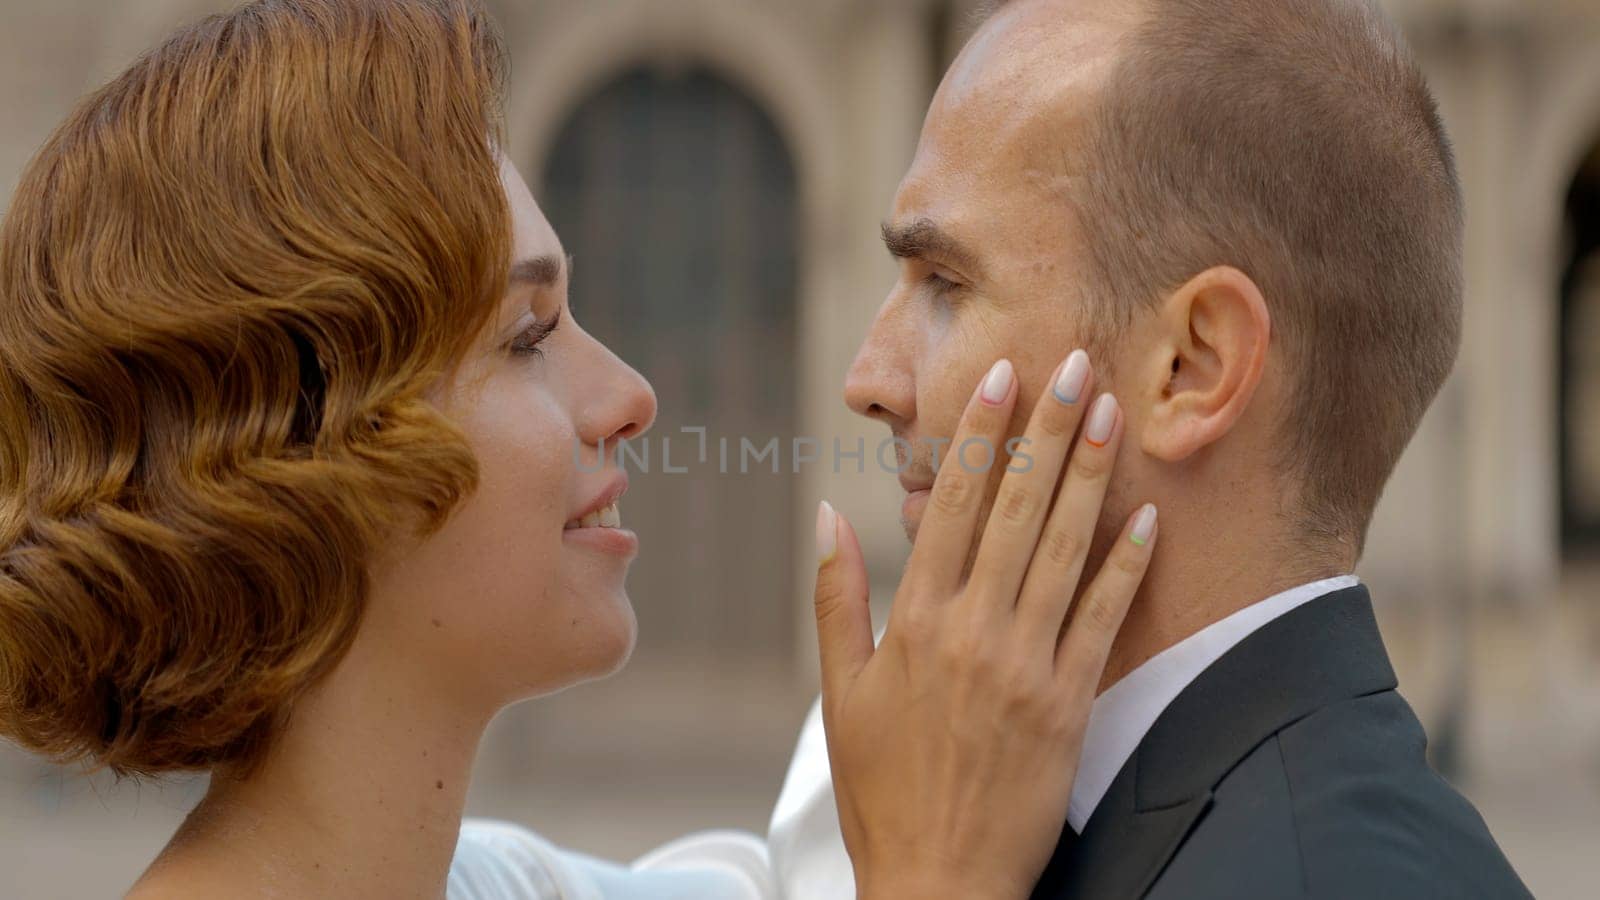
(1247, 210)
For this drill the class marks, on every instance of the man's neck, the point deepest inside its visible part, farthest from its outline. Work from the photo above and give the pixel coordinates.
(1191, 587)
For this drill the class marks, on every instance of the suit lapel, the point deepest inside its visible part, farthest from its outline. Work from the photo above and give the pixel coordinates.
(1324, 652)
(1123, 849)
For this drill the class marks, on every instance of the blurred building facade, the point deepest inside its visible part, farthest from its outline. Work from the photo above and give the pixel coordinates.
(719, 169)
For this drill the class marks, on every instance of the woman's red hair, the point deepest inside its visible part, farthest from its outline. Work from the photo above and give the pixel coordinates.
(225, 283)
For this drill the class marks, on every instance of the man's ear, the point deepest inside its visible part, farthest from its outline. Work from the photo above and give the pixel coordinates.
(1211, 349)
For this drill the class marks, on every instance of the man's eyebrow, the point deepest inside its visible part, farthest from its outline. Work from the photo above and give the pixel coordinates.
(924, 239)
(541, 271)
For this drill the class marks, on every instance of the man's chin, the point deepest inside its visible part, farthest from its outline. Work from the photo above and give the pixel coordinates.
(911, 524)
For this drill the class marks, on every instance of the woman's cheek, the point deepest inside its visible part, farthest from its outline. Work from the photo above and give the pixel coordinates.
(526, 447)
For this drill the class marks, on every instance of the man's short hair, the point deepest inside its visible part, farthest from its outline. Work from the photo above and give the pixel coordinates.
(1298, 141)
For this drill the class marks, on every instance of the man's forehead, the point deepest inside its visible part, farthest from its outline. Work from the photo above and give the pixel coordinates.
(987, 230)
(1003, 129)
(1034, 58)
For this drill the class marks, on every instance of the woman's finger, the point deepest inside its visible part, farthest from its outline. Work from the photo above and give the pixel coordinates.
(844, 619)
(1029, 485)
(945, 538)
(1057, 567)
(1081, 657)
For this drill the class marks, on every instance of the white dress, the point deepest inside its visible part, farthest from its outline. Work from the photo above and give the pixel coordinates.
(802, 857)
(501, 861)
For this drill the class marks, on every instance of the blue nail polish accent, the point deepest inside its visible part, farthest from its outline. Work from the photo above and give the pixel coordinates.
(1074, 377)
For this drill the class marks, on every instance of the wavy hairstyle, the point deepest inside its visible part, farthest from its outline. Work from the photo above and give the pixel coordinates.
(226, 282)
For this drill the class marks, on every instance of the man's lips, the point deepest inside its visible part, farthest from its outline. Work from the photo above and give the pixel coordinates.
(917, 493)
(912, 485)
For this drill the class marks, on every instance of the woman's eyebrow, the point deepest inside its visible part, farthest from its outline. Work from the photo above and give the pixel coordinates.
(541, 271)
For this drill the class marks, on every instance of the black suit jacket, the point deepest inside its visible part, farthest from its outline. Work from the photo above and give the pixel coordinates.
(1289, 768)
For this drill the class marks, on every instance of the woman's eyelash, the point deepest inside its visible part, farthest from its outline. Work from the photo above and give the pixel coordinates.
(527, 343)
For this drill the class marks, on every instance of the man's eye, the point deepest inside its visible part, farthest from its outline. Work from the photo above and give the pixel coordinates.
(939, 284)
(527, 343)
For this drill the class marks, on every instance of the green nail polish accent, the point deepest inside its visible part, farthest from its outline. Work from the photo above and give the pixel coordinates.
(1144, 526)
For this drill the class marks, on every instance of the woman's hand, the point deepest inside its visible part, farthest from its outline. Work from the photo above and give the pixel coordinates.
(955, 742)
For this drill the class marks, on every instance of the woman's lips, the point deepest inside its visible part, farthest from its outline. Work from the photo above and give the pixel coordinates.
(609, 516)
(614, 541)
(602, 530)
(602, 509)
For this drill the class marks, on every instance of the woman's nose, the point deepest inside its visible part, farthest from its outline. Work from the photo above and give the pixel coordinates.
(625, 406)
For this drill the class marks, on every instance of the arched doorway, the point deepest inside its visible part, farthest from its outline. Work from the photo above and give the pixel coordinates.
(1580, 366)
(677, 197)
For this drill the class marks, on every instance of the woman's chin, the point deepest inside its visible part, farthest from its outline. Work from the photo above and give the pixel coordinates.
(624, 638)
(605, 645)
(593, 644)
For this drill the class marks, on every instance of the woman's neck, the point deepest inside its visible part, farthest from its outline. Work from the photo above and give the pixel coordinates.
(360, 796)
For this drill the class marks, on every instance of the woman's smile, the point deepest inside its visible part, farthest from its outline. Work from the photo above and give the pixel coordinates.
(608, 539)
(598, 524)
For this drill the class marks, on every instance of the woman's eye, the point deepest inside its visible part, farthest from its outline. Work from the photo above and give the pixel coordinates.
(527, 343)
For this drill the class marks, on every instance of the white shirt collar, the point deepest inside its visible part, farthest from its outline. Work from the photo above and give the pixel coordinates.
(1127, 710)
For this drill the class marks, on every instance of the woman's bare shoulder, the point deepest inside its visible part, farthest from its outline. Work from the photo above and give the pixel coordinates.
(195, 870)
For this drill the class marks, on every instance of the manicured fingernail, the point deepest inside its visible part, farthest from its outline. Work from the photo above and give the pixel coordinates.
(827, 532)
(1074, 377)
(1144, 526)
(997, 384)
(1102, 421)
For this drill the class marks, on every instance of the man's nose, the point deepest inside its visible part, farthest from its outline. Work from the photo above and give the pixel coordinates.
(881, 384)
